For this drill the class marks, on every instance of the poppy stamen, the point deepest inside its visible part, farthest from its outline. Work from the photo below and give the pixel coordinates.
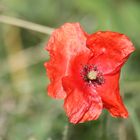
(92, 75)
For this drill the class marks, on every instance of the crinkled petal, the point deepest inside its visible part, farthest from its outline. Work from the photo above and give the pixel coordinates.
(110, 50)
(82, 102)
(81, 105)
(65, 43)
(109, 92)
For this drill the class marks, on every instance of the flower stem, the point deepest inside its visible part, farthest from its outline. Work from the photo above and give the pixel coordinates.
(26, 24)
(104, 127)
(65, 133)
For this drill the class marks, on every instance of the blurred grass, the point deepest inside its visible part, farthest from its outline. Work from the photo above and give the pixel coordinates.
(26, 112)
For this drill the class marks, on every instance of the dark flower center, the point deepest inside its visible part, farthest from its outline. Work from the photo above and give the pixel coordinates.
(92, 75)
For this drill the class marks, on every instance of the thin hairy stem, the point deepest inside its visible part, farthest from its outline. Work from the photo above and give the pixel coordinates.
(26, 24)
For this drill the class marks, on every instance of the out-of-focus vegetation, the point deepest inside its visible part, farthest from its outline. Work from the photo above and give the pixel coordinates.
(26, 112)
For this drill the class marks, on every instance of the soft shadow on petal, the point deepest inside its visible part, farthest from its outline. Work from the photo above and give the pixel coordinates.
(95, 108)
(81, 105)
(110, 49)
(63, 45)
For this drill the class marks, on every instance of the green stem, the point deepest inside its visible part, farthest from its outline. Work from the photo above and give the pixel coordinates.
(26, 24)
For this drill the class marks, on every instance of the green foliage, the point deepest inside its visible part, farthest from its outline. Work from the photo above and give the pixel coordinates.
(26, 112)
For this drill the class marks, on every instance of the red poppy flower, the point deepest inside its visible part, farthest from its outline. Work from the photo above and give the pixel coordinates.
(84, 70)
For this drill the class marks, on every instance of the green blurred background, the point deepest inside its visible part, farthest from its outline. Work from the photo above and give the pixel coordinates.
(26, 112)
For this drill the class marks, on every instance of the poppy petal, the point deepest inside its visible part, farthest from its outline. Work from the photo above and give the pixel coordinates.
(110, 49)
(81, 106)
(82, 102)
(64, 43)
(109, 92)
